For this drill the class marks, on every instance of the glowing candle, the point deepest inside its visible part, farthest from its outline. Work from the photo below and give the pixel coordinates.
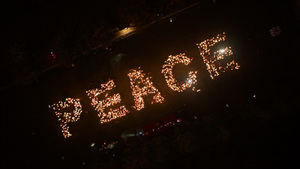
(210, 60)
(167, 70)
(101, 105)
(67, 117)
(142, 86)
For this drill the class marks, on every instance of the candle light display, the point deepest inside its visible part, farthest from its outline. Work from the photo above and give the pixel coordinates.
(167, 70)
(100, 105)
(212, 67)
(142, 86)
(67, 117)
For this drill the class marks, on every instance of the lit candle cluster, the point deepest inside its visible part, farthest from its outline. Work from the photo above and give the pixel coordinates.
(100, 105)
(67, 117)
(142, 86)
(210, 60)
(167, 70)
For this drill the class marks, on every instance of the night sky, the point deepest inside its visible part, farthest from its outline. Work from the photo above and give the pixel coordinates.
(246, 118)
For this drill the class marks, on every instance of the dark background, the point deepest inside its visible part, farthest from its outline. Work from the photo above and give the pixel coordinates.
(253, 132)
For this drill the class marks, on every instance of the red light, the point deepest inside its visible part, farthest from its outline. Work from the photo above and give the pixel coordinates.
(53, 55)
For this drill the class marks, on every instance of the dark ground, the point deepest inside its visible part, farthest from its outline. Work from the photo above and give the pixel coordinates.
(259, 132)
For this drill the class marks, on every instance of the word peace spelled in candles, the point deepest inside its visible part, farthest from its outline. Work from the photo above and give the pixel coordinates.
(142, 86)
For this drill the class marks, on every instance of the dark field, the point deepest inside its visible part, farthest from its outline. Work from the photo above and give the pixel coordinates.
(257, 129)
